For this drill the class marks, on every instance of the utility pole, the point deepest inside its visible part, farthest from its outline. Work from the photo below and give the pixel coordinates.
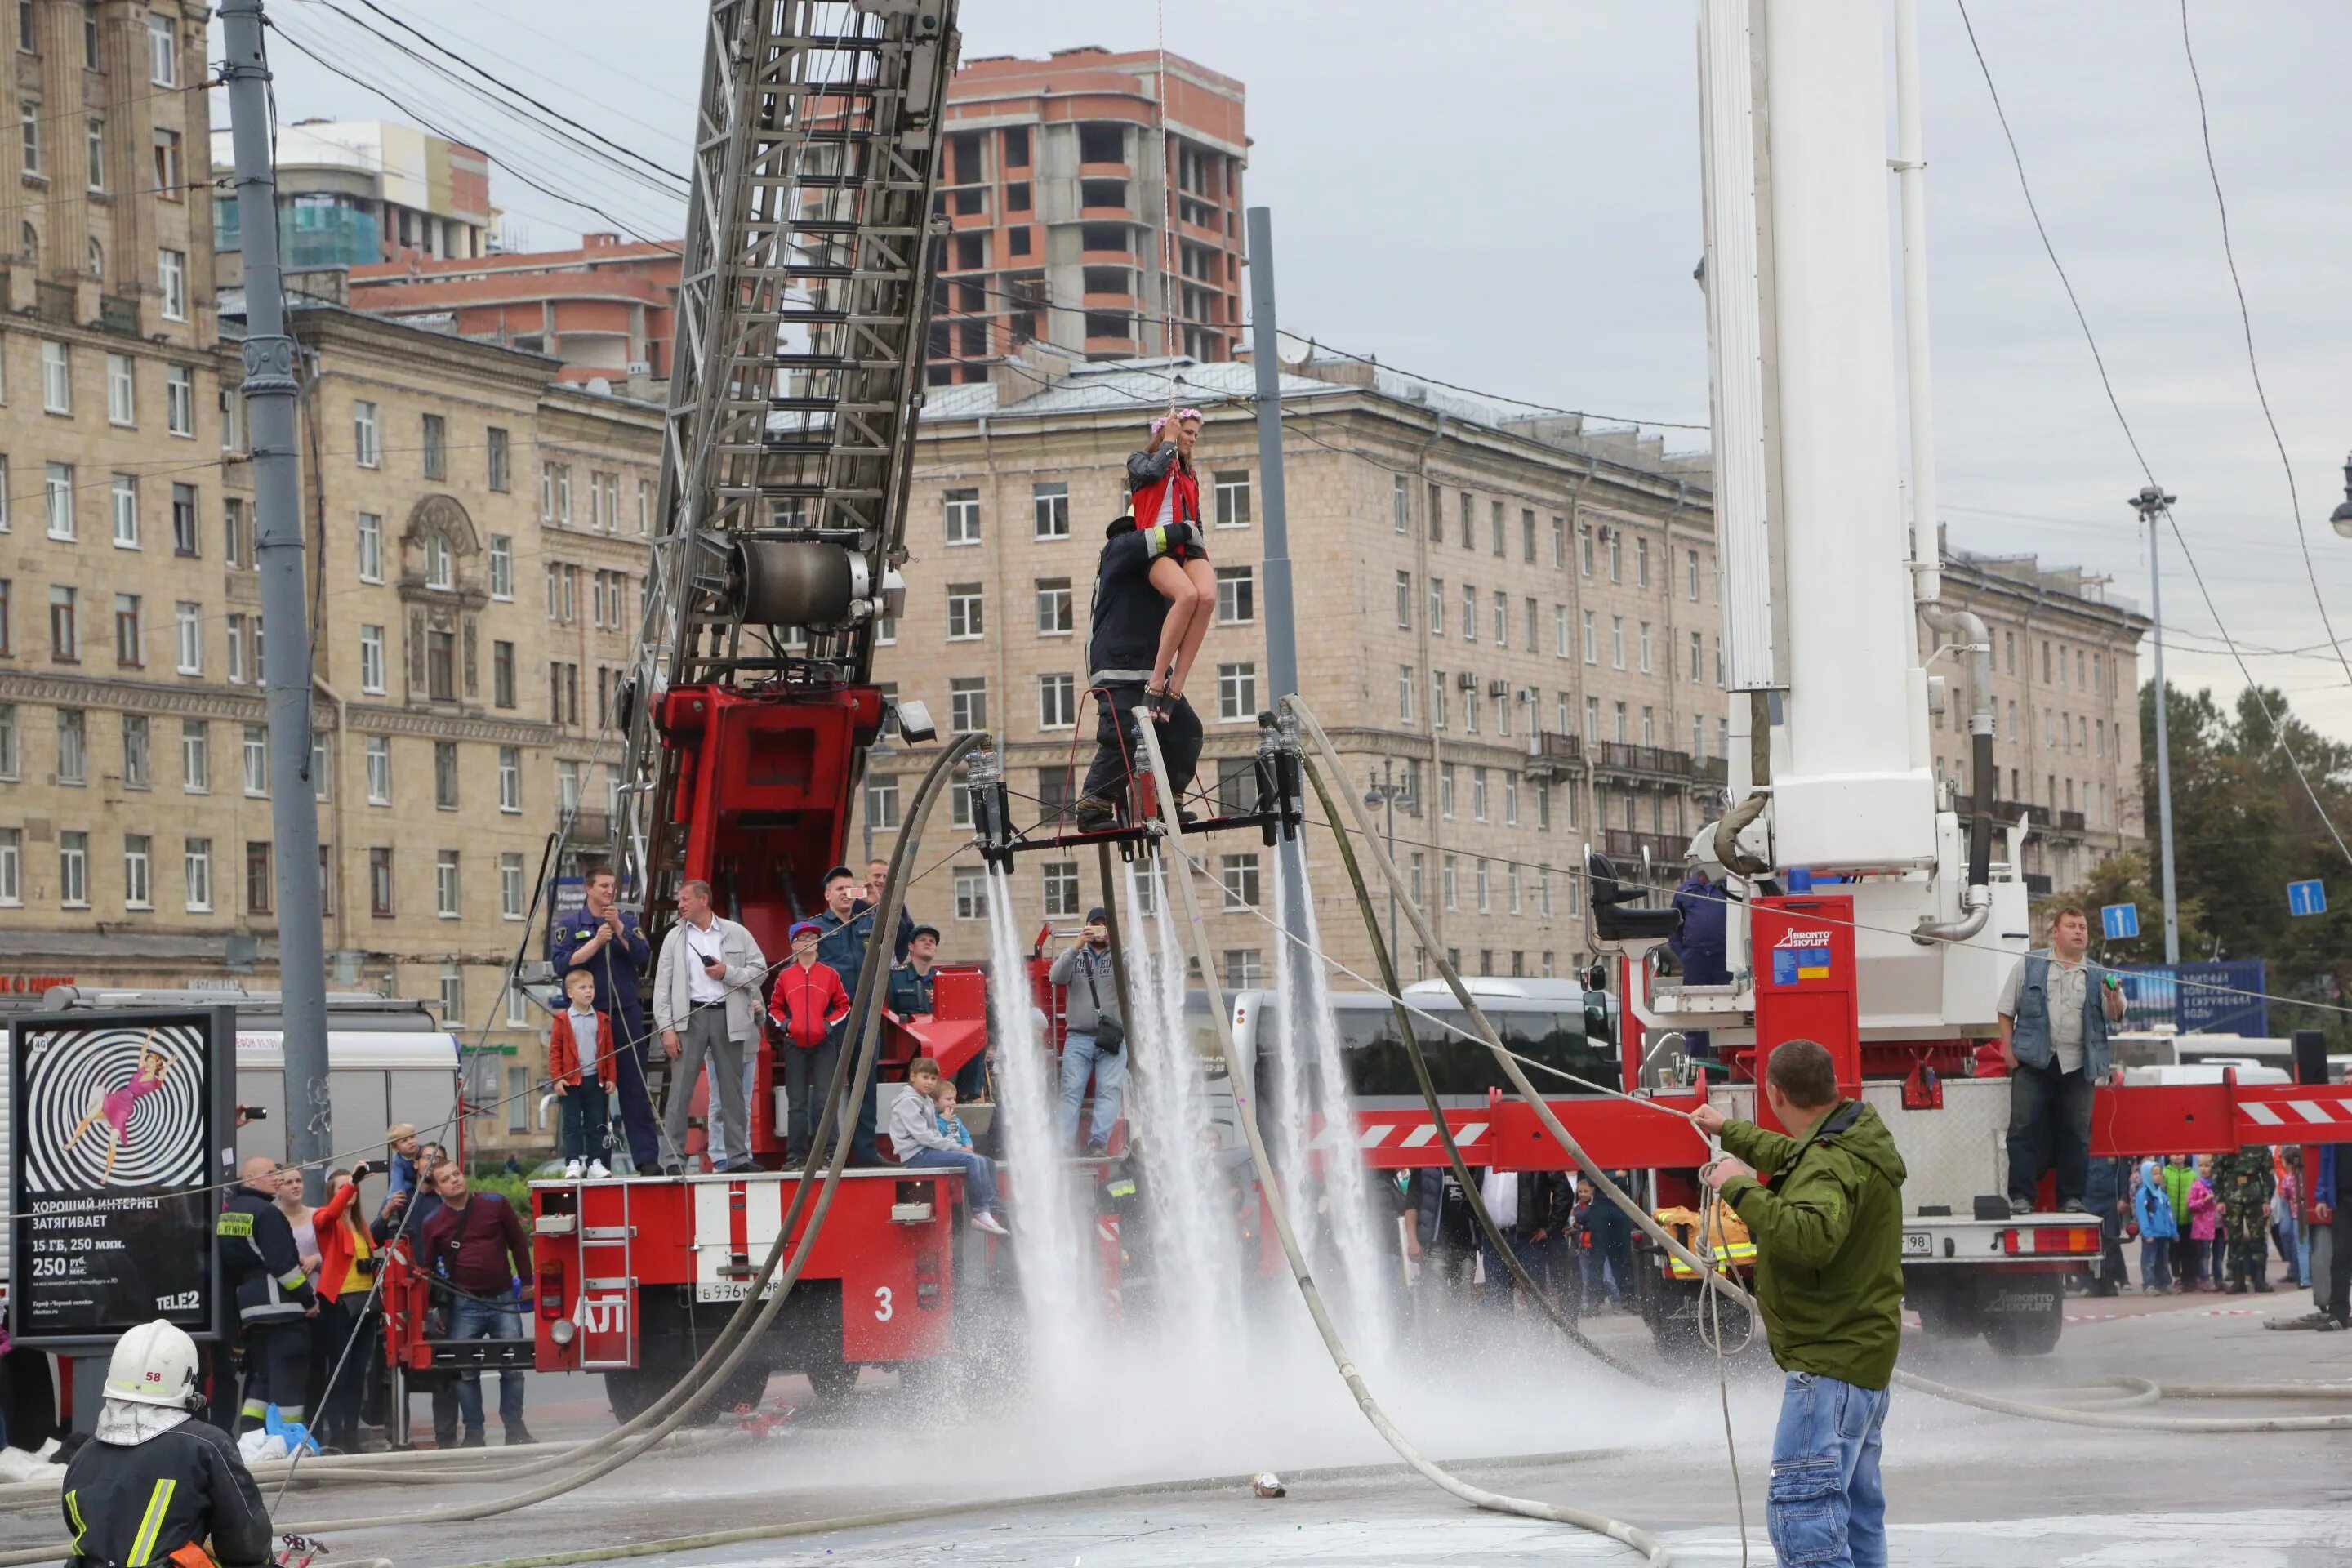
(1281, 634)
(2152, 503)
(270, 388)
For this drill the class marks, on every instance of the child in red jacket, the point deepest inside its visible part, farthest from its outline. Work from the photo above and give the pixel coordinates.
(809, 1004)
(583, 1088)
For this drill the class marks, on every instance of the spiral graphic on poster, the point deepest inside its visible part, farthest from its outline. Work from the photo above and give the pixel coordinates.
(114, 1106)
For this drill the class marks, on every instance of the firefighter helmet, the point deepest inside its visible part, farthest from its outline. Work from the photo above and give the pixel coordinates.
(155, 1364)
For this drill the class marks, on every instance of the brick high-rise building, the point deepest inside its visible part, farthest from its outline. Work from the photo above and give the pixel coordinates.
(1064, 227)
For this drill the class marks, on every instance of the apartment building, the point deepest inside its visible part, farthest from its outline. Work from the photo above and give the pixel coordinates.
(1514, 622)
(1093, 202)
(358, 192)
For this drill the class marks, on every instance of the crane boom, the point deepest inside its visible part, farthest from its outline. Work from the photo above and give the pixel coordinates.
(802, 308)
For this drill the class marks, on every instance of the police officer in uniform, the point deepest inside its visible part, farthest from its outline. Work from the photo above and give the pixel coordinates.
(274, 1300)
(154, 1485)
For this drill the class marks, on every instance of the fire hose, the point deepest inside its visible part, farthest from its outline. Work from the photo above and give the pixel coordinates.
(736, 1340)
(1278, 1210)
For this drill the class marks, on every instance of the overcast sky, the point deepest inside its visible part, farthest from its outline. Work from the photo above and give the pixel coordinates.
(1506, 195)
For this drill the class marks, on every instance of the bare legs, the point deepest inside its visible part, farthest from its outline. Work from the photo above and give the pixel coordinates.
(1191, 589)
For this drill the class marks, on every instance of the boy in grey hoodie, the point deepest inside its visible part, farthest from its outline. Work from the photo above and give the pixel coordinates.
(916, 1135)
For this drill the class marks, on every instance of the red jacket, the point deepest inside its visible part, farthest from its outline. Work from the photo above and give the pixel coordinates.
(1145, 501)
(808, 1002)
(337, 1245)
(563, 1050)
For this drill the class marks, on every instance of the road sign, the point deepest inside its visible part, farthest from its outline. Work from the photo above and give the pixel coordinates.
(2307, 898)
(2119, 922)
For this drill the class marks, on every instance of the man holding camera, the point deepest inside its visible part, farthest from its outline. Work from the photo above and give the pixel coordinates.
(1094, 1039)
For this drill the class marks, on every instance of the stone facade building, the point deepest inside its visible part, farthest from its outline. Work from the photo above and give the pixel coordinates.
(1516, 623)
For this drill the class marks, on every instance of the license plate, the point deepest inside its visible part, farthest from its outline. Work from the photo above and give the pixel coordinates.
(1918, 1244)
(729, 1290)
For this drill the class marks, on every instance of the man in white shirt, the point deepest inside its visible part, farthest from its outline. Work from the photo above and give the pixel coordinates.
(706, 986)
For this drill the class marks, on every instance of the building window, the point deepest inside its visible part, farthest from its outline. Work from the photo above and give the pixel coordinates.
(1645, 647)
(1406, 681)
(379, 770)
(503, 674)
(1237, 692)
(445, 884)
(1453, 883)
(970, 893)
(1437, 699)
(1061, 888)
(966, 621)
(436, 440)
(1477, 794)
(511, 887)
(1617, 642)
(1055, 607)
(1239, 874)
(1404, 601)
(73, 746)
(1502, 619)
(495, 449)
(1233, 498)
(445, 775)
(65, 623)
(1058, 702)
(30, 116)
(1469, 613)
(882, 801)
(967, 704)
(1485, 896)
(56, 377)
(138, 879)
(195, 756)
(1051, 505)
(452, 997)
(11, 748)
(122, 402)
(1616, 556)
(171, 281)
(1400, 503)
(162, 52)
(441, 666)
(502, 566)
(184, 520)
(73, 869)
(1237, 596)
(367, 448)
(510, 779)
(440, 566)
(188, 637)
(1437, 607)
(196, 873)
(961, 508)
(59, 485)
(1244, 968)
(260, 887)
(125, 493)
(180, 400)
(136, 752)
(127, 648)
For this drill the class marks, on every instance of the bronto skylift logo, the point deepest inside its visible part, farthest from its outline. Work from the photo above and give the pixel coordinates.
(1801, 954)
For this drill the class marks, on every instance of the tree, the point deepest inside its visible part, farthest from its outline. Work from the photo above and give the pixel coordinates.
(2255, 806)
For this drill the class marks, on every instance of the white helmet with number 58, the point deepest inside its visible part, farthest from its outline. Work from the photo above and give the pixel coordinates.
(155, 1364)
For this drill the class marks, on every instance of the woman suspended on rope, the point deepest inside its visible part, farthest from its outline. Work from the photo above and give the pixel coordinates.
(1164, 492)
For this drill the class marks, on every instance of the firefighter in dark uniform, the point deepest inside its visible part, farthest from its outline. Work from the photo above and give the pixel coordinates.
(274, 1300)
(155, 1486)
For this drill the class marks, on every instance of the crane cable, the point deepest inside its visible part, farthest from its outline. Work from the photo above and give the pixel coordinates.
(1278, 1210)
(1702, 1267)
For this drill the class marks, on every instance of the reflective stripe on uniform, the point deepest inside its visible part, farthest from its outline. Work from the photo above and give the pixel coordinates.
(233, 1222)
(143, 1546)
(73, 1511)
(292, 1279)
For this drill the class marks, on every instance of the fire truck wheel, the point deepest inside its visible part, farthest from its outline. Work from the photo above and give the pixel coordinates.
(2023, 1321)
(1947, 1308)
(832, 1380)
(632, 1391)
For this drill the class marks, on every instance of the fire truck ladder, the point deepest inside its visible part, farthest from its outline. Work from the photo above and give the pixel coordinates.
(802, 307)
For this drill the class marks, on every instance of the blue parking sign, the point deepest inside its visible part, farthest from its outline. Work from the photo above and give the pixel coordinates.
(2307, 898)
(2119, 922)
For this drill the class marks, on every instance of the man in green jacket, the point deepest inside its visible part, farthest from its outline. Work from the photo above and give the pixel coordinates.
(1829, 1278)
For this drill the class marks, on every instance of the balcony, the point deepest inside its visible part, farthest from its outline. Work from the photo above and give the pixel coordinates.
(1628, 761)
(1711, 770)
(1555, 755)
(2040, 819)
(1625, 846)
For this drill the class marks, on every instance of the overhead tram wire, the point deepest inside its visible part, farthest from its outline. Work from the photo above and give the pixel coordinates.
(558, 137)
(502, 85)
(430, 123)
(2246, 328)
(2017, 158)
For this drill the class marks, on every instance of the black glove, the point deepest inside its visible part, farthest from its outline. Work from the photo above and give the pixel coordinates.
(1179, 534)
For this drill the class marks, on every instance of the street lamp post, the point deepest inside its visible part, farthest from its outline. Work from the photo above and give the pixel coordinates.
(1384, 794)
(2152, 503)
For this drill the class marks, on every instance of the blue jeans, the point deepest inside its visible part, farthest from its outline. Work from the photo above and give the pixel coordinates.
(1824, 1507)
(473, 1319)
(1081, 1060)
(2154, 1262)
(979, 1175)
